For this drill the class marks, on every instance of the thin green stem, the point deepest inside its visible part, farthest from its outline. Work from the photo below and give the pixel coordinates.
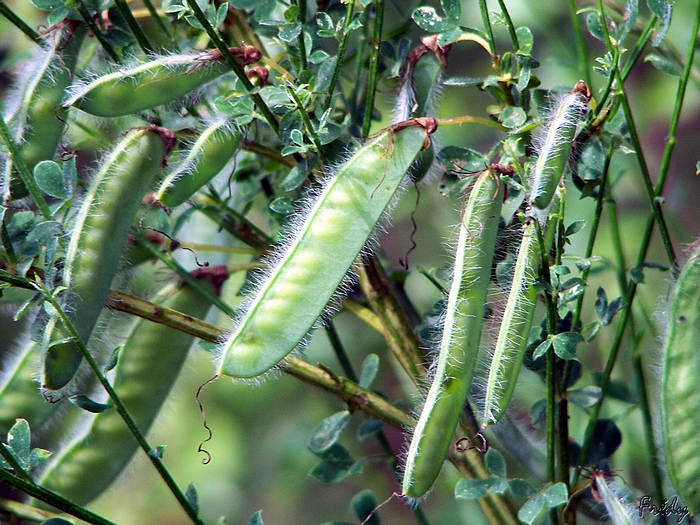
(158, 20)
(509, 24)
(141, 37)
(340, 352)
(487, 25)
(170, 262)
(636, 143)
(23, 171)
(19, 23)
(301, 8)
(675, 117)
(469, 119)
(121, 409)
(581, 49)
(235, 66)
(85, 14)
(53, 499)
(307, 121)
(639, 47)
(341, 52)
(373, 67)
(11, 459)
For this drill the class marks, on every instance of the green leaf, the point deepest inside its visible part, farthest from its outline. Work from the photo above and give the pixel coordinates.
(39, 237)
(295, 178)
(364, 504)
(565, 344)
(663, 9)
(370, 427)
(666, 65)
(525, 39)
(521, 488)
(541, 349)
(337, 465)
(290, 32)
(549, 498)
(283, 205)
(370, 368)
(113, 359)
(556, 496)
(595, 28)
(575, 227)
(192, 497)
(428, 19)
(473, 489)
(512, 117)
(256, 519)
(495, 463)
(37, 456)
(19, 439)
(467, 160)
(326, 434)
(84, 402)
(52, 180)
(585, 397)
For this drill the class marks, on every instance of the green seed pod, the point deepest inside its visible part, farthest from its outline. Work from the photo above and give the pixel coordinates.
(211, 152)
(554, 147)
(514, 331)
(147, 367)
(461, 336)
(19, 393)
(680, 397)
(97, 242)
(39, 119)
(334, 231)
(155, 83)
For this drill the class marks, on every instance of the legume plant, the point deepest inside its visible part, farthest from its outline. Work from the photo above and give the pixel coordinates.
(349, 261)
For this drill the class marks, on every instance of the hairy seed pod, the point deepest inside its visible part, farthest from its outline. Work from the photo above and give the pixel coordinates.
(155, 83)
(147, 367)
(335, 230)
(619, 511)
(97, 242)
(514, 331)
(554, 148)
(680, 397)
(39, 119)
(461, 335)
(209, 154)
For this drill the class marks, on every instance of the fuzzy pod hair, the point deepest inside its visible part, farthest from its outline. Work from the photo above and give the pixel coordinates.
(680, 397)
(97, 242)
(159, 81)
(146, 370)
(555, 143)
(213, 150)
(511, 343)
(38, 119)
(330, 236)
(620, 511)
(461, 335)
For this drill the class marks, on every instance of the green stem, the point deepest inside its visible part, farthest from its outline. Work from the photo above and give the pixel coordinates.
(84, 13)
(636, 143)
(235, 66)
(170, 262)
(373, 67)
(10, 458)
(341, 52)
(305, 117)
(301, 8)
(141, 37)
(158, 20)
(121, 409)
(53, 499)
(487, 25)
(509, 25)
(581, 49)
(19, 23)
(468, 119)
(23, 171)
